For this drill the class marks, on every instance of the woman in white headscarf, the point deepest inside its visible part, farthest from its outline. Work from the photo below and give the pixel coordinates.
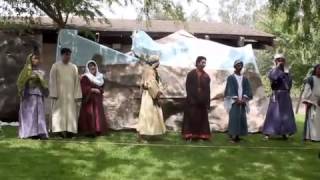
(92, 119)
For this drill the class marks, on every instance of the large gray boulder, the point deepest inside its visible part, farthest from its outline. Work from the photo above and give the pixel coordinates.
(122, 97)
(14, 49)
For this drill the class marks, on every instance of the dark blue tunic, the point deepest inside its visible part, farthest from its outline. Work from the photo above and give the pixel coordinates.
(280, 118)
(237, 125)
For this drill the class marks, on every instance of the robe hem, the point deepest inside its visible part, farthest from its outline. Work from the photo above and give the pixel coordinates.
(196, 136)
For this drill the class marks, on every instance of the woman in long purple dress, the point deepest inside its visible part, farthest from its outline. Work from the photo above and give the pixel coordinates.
(280, 120)
(32, 88)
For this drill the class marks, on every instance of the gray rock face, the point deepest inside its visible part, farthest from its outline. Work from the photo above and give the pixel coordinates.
(122, 97)
(14, 49)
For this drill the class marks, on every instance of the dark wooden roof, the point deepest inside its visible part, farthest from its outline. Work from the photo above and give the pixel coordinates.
(221, 32)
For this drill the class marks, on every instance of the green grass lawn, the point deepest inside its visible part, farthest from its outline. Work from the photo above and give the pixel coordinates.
(118, 156)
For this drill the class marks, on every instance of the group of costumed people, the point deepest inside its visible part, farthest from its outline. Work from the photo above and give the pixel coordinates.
(77, 103)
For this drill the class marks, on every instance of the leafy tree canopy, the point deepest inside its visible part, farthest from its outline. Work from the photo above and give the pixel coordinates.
(60, 10)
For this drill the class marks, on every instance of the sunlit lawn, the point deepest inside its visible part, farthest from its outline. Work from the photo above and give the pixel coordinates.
(118, 156)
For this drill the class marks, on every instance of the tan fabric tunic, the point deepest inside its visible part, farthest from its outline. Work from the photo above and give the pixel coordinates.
(150, 120)
(65, 91)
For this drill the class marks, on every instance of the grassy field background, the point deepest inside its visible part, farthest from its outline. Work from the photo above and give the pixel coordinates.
(119, 156)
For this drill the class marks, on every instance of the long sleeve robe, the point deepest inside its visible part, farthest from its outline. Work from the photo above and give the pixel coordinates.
(65, 92)
(150, 120)
(280, 118)
(311, 96)
(237, 113)
(32, 121)
(92, 119)
(195, 120)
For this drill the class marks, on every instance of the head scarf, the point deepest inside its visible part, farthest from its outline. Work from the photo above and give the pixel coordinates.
(25, 76)
(237, 62)
(95, 79)
(150, 60)
(278, 56)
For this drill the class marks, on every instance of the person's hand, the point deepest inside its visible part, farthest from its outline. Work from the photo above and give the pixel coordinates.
(241, 101)
(245, 100)
(280, 65)
(160, 102)
(95, 90)
(78, 102)
(238, 101)
(165, 86)
(34, 75)
(145, 85)
(159, 95)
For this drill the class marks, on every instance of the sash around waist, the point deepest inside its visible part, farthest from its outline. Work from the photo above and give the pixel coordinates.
(280, 90)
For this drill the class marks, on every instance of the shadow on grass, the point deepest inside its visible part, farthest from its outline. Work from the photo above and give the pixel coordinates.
(98, 159)
(54, 160)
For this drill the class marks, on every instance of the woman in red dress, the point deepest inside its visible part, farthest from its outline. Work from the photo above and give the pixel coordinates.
(92, 119)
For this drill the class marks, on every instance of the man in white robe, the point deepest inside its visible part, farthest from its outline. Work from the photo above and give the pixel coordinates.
(150, 122)
(65, 92)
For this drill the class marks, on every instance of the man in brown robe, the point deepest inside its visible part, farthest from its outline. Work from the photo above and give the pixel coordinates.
(195, 121)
